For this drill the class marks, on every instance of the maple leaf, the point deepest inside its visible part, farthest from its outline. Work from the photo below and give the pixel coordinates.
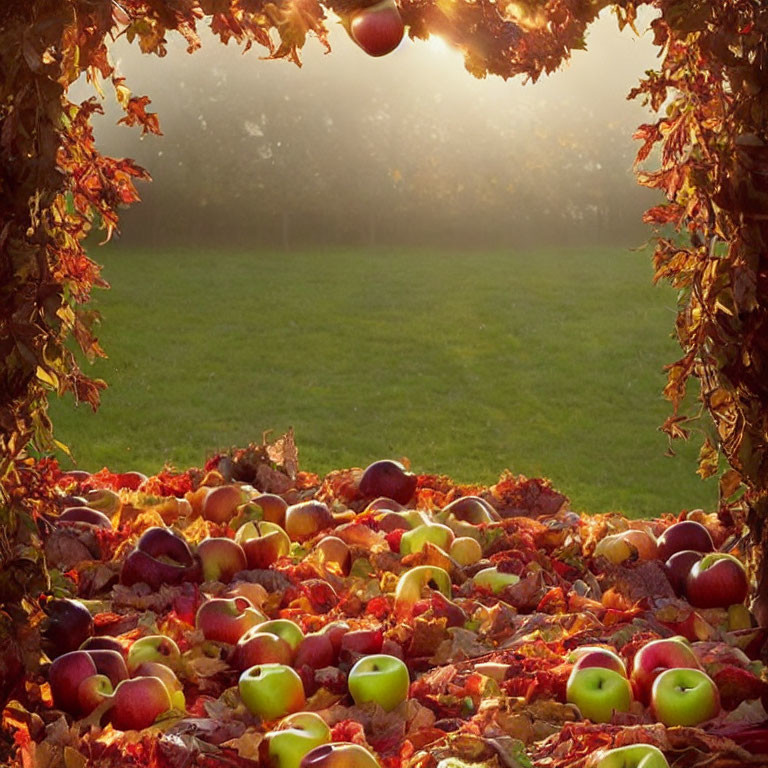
(136, 114)
(293, 19)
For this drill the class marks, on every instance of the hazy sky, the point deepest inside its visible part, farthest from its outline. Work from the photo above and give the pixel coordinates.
(239, 128)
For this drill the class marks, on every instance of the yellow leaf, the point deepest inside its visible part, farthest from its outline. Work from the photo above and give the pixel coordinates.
(64, 449)
(246, 746)
(47, 377)
(73, 758)
(123, 95)
(708, 460)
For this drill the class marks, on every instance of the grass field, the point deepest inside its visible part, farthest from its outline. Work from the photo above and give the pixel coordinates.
(545, 362)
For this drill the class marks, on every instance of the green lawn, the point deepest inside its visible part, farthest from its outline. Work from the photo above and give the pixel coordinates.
(545, 362)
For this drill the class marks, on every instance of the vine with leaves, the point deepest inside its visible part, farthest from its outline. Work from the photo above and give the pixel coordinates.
(708, 93)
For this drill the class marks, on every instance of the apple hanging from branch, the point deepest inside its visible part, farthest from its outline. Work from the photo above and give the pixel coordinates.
(377, 29)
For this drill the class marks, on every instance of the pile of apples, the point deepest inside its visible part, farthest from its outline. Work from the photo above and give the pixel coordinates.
(707, 579)
(133, 682)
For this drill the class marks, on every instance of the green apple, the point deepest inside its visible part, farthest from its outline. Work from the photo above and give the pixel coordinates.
(466, 550)
(296, 735)
(286, 629)
(380, 678)
(413, 581)
(435, 533)
(104, 500)
(631, 756)
(655, 657)
(461, 529)
(495, 580)
(598, 691)
(271, 690)
(684, 696)
(157, 648)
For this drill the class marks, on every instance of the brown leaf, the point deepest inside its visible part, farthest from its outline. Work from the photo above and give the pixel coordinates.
(285, 454)
(709, 460)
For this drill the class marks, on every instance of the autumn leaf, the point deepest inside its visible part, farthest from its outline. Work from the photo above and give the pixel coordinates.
(709, 459)
(136, 115)
(294, 19)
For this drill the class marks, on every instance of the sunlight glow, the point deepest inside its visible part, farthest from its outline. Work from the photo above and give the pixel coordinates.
(437, 44)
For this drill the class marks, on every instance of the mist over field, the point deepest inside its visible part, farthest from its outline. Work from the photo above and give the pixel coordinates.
(409, 149)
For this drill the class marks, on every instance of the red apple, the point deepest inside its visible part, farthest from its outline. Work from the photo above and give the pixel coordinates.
(442, 607)
(226, 621)
(716, 581)
(687, 534)
(168, 676)
(67, 625)
(392, 521)
(70, 500)
(250, 590)
(256, 647)
(273, 507)
(161, 557)
(139, 567)
(65, 675)
(679, 566)
(334, 554)
(388, 478)
(335, 631)
(93, 691)
(137, 703)
(384, 504)
(594, 656)
(104, 643)
(263, 543)
(472, 509)
(110, 663)
(221, 559)
(85, 515)
(220, 504)
(362, 641)
(378, 30)
(656, 657)
(315, 651)
(77, 476)
(306, 519)
(159, 541)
